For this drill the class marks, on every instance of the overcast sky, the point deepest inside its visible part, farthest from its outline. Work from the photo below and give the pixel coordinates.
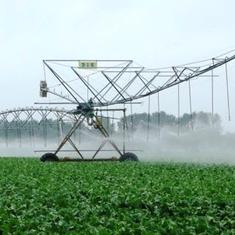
(152, 32)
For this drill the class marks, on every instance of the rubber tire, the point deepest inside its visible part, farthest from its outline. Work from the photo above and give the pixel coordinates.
(128, 157)
(49, 157)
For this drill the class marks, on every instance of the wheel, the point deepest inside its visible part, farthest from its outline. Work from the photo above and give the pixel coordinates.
(128, 157)
(49, 157)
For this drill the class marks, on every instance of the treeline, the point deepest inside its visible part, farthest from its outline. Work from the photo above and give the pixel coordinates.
(162, 119)
(52, 128)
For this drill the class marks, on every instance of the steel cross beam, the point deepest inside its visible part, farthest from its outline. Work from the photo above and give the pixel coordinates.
(67, 138)
(89, 86)
(114, 80)
(182, 77)
(124, 92)
(97, 125)
(19, 118)
(69, 89)
(127, 85)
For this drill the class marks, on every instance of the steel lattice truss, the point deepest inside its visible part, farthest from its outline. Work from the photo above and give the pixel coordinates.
(118, 81)
(92, 84)
(19, 118)
(22, 120)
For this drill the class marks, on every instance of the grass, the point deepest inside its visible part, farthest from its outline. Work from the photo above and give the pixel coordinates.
(115, 198)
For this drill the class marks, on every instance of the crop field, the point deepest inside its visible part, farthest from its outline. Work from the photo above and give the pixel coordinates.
(115, 198)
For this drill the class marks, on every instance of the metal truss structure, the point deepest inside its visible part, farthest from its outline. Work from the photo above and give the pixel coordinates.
(94, 85)
(28, 119)
(119, 81)
(24, 119)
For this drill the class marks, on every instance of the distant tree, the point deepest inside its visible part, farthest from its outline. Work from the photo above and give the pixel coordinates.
(200, 119)
(52, 128)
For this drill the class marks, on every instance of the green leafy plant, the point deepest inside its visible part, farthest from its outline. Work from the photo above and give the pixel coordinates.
(115, 198)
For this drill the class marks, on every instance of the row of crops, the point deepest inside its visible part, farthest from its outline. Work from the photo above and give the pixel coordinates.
(115, 198)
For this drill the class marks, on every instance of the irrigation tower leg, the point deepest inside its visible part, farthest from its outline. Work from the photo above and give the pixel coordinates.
(70, 133)
(101, 128)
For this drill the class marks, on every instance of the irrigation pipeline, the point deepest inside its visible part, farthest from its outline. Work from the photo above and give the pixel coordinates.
(30, 119)
(176, 79)
(14, 118)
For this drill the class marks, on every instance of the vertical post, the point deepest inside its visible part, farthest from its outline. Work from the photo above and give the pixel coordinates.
(6, 132)
(190, 103)
(80, 134)
(212, 93)
(101, 117)
(29, 124)
(124, 130)
(18, 130)
(159, 115)
(58, 129)
(75, 136)
(44, 128)
(112, 124)
(32, 131)
(227, 86)
(108, 121)
(132, 123)
(44, 71)
(148, 124)
(45, 133)
(178, 86)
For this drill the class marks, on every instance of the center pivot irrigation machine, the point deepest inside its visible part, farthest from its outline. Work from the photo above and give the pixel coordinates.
(98, 86)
